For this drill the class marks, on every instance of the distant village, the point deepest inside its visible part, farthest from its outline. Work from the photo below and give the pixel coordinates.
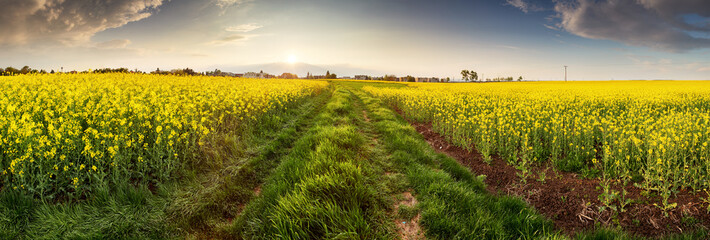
(187, 71)
(329, 75)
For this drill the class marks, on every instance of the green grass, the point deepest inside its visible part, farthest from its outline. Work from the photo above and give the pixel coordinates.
(324, 188)
(214, 196)
(360, 84)
(123, 212)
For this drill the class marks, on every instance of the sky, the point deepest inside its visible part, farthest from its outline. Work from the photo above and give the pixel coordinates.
(535, 39)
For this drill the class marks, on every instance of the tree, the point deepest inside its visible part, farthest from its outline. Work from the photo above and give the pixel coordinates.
(411, 79)
(288, 76)
(469, 75)
(473, 76)
(328, 75)
(465, 75)
(520, 78)
(25, 70)
(11, 71)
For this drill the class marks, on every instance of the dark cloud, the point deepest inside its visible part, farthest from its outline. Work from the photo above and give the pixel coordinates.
(66, 21)
(657, 24)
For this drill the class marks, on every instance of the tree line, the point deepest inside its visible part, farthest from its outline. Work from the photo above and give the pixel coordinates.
(470, 75)
(11, 71)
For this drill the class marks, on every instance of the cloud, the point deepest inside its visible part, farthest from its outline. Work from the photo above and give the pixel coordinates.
(523, 5)
(509, 47)
(228, 39)
(117, 43)
(229, 3)
(66, 22)
(244, 28)
(659, 24)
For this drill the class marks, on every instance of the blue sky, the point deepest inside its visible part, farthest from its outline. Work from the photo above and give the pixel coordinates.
(597, 39)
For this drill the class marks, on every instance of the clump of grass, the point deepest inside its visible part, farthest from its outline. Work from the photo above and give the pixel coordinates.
(407, 212)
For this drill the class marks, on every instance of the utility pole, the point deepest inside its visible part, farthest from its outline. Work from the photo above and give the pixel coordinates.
(565, 73)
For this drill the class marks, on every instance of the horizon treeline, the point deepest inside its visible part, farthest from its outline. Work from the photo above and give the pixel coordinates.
(11, 71)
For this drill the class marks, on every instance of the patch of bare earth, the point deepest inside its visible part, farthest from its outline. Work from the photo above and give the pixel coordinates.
(408, 229)
(572, 202)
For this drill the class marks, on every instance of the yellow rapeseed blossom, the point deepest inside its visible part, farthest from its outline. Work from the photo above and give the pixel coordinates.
(58, 121)
(651, 128)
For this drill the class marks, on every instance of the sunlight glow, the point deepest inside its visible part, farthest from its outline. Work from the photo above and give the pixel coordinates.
(292, 59)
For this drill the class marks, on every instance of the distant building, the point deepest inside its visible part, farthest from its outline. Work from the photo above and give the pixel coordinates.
(257, 75)
(361, 77)
(346, 77)
(422, 79)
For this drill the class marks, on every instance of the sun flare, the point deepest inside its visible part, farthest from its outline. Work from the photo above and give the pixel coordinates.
(292, 59)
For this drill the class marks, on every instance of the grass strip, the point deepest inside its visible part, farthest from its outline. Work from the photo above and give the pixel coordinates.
(322, 190)
(214, 197)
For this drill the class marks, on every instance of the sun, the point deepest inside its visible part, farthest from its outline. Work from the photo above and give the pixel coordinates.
(292, 59)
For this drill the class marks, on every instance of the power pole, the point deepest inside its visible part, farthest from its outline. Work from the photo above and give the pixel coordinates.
(565, 73)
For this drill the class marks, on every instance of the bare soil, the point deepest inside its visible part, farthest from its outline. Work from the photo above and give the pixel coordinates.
(572, 202)
(408, 229)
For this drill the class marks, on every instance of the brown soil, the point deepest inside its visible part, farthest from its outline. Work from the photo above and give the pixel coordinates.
(408, 229)
(257, 190)
(572, 202)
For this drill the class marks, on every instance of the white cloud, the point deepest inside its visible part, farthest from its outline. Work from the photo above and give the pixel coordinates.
(68, 22)
(657, 24)
(244, 28)
(234, 38)
(117, 43)
(523, 5)
(229, 3)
